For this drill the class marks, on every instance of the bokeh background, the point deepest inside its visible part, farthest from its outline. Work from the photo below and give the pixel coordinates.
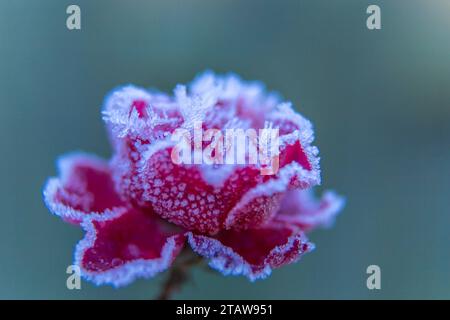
(380, 102)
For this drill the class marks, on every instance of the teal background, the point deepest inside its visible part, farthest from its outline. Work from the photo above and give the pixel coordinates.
(379, 100)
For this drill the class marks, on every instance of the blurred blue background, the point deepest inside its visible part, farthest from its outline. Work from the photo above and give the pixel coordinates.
(379, 100)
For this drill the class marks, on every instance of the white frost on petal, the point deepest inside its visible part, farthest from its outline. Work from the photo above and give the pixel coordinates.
(151, 149)
(334, 205)
(65, 165)
(218, 174)
(276, 254)
(117, 109)
(57, 208)
(272, 186)
(231, 87)
(128, 272)
(194, 107)
(305, 133)
(125, 120)
(225, 260)
(303, 208)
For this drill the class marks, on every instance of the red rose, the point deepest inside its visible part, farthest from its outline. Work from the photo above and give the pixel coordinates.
(141, 208)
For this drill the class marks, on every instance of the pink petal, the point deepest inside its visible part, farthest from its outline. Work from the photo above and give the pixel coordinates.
(254, 252)
(84, 187)
(134, 112)
(301, 208)
(260, 203)
(122, 247)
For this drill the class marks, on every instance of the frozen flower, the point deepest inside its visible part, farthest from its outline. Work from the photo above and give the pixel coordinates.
(140, 209)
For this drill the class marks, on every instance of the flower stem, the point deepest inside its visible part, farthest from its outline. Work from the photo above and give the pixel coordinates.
(178, 275)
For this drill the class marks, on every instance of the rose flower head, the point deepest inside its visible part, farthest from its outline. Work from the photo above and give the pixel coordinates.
(196, 170)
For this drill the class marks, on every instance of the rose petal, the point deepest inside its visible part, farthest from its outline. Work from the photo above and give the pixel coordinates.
(134, 112)
(122, 247)
(260, 203)
(252, 253)
(84, 187)
(235, 101)
(301, 208)
(296, 138)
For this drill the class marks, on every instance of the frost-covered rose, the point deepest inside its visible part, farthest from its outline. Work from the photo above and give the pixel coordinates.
(140, 209)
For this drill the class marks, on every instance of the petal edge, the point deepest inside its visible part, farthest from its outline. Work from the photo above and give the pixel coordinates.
(238, 260)
(139, 256)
